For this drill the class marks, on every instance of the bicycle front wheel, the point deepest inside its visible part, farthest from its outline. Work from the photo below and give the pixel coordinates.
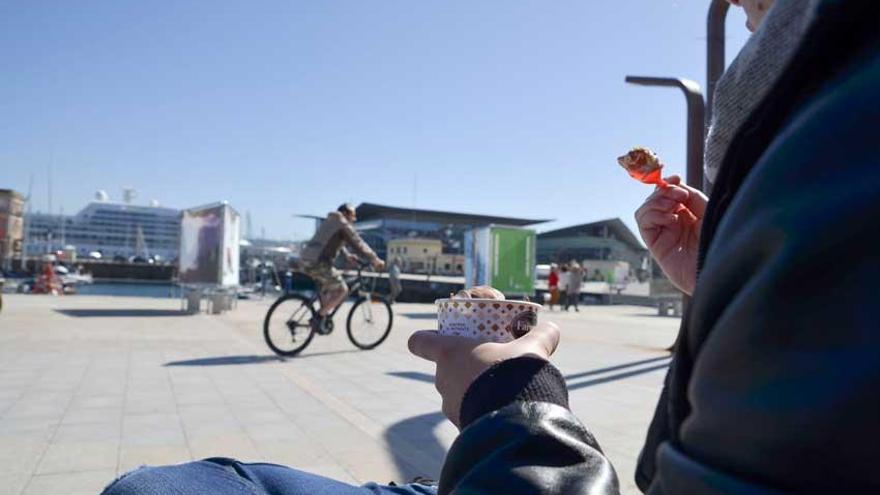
(286, 328)
(369, 322)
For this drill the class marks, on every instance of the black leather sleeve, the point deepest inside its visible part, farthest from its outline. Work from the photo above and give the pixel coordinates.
(525, 379)
(520, 438)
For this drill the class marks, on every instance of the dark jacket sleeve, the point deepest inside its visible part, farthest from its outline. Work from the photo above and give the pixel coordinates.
(784, 395)
(519, 437)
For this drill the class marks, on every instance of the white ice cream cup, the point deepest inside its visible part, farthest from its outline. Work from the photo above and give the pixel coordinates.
(490, 320)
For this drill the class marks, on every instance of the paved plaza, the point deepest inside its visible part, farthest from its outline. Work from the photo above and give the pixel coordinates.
(91, 387)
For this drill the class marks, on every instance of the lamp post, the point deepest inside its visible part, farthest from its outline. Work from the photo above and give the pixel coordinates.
(699, 113)
(695, 121)
(714, 50)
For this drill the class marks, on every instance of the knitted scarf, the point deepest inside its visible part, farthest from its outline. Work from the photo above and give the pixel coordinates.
(752, 74)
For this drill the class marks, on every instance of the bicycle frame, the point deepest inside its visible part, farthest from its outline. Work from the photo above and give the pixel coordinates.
(355, 286)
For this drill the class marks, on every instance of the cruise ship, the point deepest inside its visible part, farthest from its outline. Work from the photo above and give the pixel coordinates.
(111, 228)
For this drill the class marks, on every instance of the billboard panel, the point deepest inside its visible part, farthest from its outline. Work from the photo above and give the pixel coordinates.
(476, 257)
(231, 240)
(513, 260)
(209, 238)
(503, 257)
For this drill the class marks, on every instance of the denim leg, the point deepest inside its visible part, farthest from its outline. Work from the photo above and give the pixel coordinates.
(223, 476)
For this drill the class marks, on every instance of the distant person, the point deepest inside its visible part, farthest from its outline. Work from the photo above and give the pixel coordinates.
(553, 284)
(394, 280)
(563, 285)
(575, 282)
(335, 234)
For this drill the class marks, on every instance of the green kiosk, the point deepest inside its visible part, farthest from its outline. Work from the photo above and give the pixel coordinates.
(501, 256)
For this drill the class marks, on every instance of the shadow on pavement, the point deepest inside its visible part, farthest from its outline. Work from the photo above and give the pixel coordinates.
(599, 371)
(120, 313)
(413, 375)
(421, 316)
(224, 361)
(618, 376)
(627, 370)
(415, 447)
(325, 353)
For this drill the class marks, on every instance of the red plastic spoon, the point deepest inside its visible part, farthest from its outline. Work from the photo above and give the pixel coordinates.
(653, 177)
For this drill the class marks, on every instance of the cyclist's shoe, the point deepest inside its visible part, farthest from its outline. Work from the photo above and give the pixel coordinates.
(317, 324)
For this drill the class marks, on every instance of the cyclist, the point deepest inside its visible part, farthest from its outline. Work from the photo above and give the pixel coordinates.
(335, 234)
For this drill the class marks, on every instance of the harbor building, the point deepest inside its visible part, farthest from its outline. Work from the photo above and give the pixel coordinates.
(416, 255)
(596, 245)
(114, 229)
(380, 224)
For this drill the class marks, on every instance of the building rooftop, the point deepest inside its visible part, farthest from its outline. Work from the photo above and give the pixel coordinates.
(616, 228)
(372, 211)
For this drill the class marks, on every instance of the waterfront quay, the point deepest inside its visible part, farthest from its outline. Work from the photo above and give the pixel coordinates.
(93, 386)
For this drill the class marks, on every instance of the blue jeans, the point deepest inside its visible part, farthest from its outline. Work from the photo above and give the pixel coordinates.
(221, 476)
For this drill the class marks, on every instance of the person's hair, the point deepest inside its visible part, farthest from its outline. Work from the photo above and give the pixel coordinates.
(565, 268)
(345, 208)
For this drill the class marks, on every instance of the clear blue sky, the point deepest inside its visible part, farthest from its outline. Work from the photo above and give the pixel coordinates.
(504, 107)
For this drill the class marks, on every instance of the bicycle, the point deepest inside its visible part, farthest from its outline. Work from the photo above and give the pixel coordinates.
(368, 323)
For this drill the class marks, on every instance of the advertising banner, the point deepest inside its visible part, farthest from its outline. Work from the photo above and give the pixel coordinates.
(231, 246)
(209, 238)
(503, 257)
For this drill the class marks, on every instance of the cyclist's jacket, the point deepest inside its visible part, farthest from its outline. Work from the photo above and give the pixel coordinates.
(332, 236)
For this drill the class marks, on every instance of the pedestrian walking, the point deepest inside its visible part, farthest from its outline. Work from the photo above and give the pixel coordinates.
(563, 286)
(553, 284)
(394, 281)
(575, 280)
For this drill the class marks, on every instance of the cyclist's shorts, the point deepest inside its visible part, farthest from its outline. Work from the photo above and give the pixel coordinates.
(327, 277)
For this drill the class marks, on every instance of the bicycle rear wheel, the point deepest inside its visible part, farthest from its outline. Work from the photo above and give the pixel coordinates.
(369, 322)
(286, 328)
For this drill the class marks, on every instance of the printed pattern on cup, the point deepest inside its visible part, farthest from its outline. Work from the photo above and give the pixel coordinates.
(489, 320)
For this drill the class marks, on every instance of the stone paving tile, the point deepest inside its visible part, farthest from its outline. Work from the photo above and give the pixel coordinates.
(134, 456)
(13, 484)
(79, 456)
(81, 483)
(293, 453)
(20, 456)
(282, 431)
(11, 428)
(206, 430)
(229, 444)
(152, 429)
(88, 432)
(77, 415)
(99, 401)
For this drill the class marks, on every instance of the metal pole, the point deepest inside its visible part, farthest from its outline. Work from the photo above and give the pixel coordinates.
(695, 121)
(714, 51)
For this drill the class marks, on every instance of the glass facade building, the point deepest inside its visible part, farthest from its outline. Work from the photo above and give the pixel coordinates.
(606, 240)
(379, 224)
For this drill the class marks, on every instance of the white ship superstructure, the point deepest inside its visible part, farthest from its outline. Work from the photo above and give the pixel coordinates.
(111, 228)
